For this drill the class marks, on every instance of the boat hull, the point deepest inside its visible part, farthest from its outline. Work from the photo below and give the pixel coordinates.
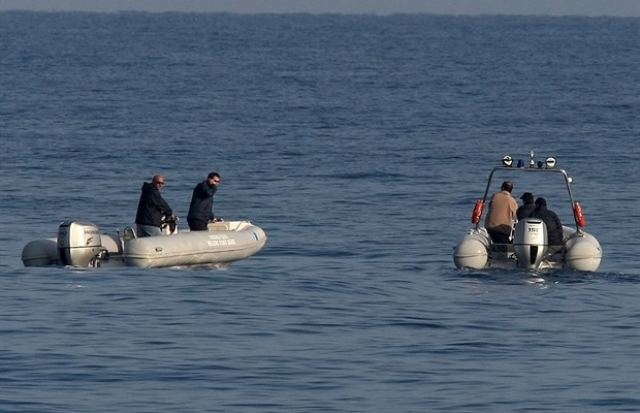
(222, 243)
(581, 252)
(216, 246)
(473, 251)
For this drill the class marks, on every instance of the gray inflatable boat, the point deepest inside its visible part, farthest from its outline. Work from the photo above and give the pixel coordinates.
(81, 244)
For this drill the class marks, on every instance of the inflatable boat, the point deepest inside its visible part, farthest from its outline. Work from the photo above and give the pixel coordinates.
(81, 244)
(528, 246)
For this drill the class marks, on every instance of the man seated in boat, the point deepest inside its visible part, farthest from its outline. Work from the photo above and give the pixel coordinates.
(527, 207)
(502, 214)
(552, 222)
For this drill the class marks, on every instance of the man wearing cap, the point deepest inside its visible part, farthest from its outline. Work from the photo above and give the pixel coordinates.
(527, 207)
(502, 214)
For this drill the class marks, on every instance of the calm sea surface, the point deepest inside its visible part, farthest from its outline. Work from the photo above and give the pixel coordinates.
(360, 144)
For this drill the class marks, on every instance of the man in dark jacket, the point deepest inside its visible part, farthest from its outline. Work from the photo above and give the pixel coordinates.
(151, 208)
(201, 207)
(527, 207)
(551, 220)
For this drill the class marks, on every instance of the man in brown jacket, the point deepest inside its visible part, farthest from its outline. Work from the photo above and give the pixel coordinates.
(502, 214)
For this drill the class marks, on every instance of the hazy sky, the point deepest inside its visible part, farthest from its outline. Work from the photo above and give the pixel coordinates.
(537, 7)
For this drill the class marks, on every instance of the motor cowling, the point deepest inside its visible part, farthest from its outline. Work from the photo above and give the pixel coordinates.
(79, 243)
(530, 242)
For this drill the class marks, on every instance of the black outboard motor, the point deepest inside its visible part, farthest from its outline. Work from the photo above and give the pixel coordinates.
(530, 243)
(79, 243)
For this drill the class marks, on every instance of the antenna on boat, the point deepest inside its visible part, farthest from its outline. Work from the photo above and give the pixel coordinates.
(532, 162)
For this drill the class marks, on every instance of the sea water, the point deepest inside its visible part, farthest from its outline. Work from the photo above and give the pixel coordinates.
(360, 144)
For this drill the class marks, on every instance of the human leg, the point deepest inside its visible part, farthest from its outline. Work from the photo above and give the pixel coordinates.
(498, 237)
(197, 225)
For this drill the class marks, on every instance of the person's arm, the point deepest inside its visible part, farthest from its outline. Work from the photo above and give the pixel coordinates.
(212, 217)
(558, 223)
(514, 210)
(161, 204)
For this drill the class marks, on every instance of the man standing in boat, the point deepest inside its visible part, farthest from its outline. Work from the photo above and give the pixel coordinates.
(152, 208)
(201, 207)
(502, 214)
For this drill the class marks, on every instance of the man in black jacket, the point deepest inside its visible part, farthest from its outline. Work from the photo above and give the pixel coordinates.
(201, 207)
(551, 220)
(527, 207)
(152, 208)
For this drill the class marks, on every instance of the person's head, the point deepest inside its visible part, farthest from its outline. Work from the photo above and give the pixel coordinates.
(214, 179)
(158, 181)
(541, 202)
(527, 198)
(507, 186)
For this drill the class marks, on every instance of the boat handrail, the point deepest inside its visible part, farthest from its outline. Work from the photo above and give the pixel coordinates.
(567, 181)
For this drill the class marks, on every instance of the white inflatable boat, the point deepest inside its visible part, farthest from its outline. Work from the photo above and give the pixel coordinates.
(81, 244)
(528, 248)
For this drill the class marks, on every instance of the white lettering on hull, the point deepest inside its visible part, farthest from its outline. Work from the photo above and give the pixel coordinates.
(220, 240)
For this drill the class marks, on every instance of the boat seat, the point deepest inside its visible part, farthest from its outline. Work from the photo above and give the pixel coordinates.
(217, 226)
